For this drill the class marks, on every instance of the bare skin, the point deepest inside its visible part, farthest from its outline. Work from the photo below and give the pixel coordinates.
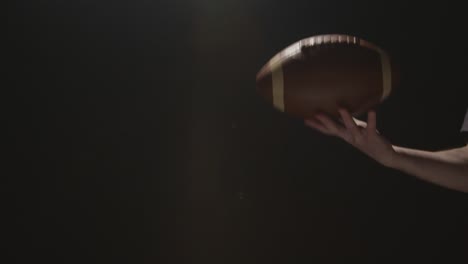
(448, 168)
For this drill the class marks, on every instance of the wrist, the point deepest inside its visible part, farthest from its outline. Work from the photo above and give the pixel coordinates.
(393, 158)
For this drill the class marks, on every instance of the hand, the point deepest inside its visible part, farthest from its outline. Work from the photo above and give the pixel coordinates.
(364, 136)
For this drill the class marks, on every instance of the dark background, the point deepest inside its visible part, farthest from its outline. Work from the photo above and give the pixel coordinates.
(139, 138)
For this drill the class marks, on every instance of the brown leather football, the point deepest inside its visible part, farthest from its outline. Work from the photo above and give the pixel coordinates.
(322, 73)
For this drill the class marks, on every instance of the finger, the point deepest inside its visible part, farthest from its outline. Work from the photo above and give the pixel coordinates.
(331, 125)
(371, 122)
(349, 123)
(316, 125)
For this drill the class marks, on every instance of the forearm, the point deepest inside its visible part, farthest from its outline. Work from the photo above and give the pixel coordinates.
(446, 168)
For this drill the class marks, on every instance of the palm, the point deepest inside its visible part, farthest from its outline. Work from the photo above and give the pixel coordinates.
(364, 136)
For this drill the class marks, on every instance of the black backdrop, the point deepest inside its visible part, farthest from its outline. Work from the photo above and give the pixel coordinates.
(138, 136)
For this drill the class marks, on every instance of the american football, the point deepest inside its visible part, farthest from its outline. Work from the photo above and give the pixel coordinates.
(325, 72)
